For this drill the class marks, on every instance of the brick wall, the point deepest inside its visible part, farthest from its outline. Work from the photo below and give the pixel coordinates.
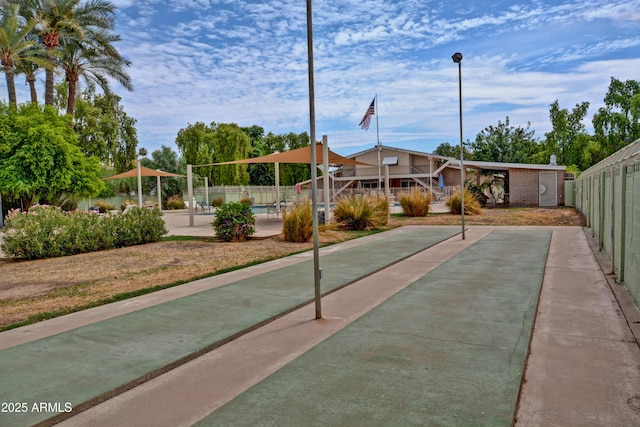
(524, 189)
(561, 176)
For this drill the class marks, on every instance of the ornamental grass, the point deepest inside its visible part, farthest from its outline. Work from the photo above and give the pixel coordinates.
(471, 204)
(297, 223)
(415, 203)
(362, 212)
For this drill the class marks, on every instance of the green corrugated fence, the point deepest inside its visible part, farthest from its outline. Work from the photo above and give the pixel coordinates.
(608, 194)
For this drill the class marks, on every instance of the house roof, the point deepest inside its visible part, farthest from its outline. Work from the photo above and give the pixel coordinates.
(505, 166)
(401, 150)
(454, 162)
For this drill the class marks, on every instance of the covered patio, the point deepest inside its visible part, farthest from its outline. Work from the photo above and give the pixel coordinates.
(139, 172)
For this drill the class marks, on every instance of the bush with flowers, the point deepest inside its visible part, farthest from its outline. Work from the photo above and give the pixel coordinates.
(47, 231)
(234, 222)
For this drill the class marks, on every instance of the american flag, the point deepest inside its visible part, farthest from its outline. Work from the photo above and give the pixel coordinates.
(366, 120)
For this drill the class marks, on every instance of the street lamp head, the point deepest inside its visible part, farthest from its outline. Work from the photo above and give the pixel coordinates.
(457, 57)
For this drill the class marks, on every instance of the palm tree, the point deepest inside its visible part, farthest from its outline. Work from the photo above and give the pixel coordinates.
(16, 47)
(53, 19)
(95, 59)
(67, 20)
(29, 69)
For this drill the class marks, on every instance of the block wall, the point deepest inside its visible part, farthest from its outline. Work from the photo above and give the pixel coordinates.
(524, 188)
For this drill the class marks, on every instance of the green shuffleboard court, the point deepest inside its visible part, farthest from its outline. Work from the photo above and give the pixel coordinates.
(78, 366)
(449, 350)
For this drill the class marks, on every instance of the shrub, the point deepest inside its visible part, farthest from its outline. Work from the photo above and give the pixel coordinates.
(234, 222)
(415, 203)
(298, 222)
(104, 207)
(216, 202)
(46, 232)
(175, 202)
(137, 226)
(360, 213)
(471, 204)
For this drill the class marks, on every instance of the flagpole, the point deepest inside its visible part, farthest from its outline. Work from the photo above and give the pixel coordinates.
(378, 145)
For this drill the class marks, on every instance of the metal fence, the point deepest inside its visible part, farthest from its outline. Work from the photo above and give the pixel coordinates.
(265, 195)
(608, 194)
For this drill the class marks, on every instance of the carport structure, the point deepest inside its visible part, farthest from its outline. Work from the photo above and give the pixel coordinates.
(525, 184)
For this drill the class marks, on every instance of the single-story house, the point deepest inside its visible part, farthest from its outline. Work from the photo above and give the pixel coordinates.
(522, 184)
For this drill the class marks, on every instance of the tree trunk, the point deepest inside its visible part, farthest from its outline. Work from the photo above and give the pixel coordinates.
(71, 100)
(72, 79)
(48, 87)
(50, 42)
(11, 86)
(31, 79)
(27, 202)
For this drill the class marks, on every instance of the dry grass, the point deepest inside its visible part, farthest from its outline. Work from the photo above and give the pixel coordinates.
(30, 288)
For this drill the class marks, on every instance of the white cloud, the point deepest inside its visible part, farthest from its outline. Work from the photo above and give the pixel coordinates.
(246, 62)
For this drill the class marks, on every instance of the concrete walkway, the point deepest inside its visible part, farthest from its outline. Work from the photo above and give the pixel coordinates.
(438, 338)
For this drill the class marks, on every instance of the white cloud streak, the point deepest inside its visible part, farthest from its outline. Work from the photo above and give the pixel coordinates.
(245, 61)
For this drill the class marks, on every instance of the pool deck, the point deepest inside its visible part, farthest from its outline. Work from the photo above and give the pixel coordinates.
(177, 222)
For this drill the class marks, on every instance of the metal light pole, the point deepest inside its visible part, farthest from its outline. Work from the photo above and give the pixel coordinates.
(457, 58)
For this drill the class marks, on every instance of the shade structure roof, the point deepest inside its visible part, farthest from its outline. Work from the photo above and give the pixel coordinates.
(299, 155)
(144, 171)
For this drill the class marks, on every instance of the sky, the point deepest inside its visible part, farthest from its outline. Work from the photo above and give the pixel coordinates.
(246, 62)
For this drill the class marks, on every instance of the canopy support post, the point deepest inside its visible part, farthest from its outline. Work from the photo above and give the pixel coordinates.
(190, 193)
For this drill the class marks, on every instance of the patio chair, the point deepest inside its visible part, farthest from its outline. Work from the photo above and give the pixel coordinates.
(272, 210)
(204, 206)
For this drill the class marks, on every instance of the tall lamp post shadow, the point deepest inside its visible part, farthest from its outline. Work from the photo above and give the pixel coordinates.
(457, 58)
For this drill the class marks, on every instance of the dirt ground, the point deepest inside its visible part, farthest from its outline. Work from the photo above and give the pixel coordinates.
(34, 290)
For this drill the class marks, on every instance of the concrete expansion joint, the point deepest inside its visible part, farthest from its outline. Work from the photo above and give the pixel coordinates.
(563, 268)
(427, 337)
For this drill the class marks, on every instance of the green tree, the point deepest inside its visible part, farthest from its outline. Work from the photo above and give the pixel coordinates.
(447, 150)
(618, 122)
(200, 144)
(195, 144)
(96, 60)
(105, 130)
(566, 140)
(290, 174)
(167, 160)
(16, 45)
(54, 18)
(29, 69)
(505, 143)
(259, 173)
(39, 156)
(593, 153)
(230, 143)
(66, 20)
